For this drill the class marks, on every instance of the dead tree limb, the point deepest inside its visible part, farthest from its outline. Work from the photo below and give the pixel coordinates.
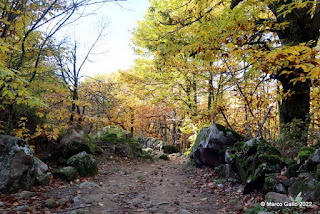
(263, 122)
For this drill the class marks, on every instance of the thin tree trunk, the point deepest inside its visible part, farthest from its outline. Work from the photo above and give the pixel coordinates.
(210, 91)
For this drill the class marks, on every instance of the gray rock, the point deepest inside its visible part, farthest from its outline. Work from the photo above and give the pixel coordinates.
(77, 199)
(183, 211)
(280, 188)
(225, 171)
(27, 194)
(83, 199)
(220, 186)
(74, 142)
(309, 188)
(227, 157)
(63, 201)
(43, 179)
(1, 203)
(17, 165)
(288, 182)
(68, 173)
(209, 142)
(50, 203)
(135, 201)
(151, 143)
(41, 166)
(87, 200)
(23, 208)
(89, 185)
(84, 163)
(149, 205)
(305, 175)
(315, 157)
(275, 197)
(251, 146)
(79, 212)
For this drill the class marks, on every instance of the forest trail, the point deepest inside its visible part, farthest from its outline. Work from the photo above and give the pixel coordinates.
(149, 187)
(135, 186)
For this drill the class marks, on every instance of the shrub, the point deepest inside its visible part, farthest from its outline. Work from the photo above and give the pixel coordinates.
(169, 149)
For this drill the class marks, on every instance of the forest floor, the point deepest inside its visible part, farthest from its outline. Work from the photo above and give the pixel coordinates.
(138, 186)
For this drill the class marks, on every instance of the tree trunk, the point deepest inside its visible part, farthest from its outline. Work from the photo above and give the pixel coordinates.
(195, 98)
(294, 109)
(9, 125)
(210, 91)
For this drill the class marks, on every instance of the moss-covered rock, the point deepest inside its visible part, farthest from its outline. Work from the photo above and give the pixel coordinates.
(305, 152)
(84, 163)
(128, 148)
(111, 133)
(238, 146)
(226, 130)
(253, 183)
(270, 159)
(309, 188)
(265, 147)
(250, 147)
(288, 161)
(242, 164)
(109, 138)
(90, 143)
(292, 170)
(269, 183)
(68, 173)
(254, 160)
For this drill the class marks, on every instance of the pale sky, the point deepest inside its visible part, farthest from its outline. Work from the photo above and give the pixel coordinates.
(122, 18)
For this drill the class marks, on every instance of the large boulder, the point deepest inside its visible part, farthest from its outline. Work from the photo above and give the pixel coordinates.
(149, 142)
(129, 149)
(210, 143)
(17, 165)
(84, 163)
(74, 142)
(117, 141)
(110, 134)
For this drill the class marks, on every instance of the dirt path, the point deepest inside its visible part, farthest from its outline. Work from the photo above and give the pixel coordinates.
(141, 187)
(135, 186)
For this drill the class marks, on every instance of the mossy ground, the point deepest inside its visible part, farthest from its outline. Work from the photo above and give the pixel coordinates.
(305, 153)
